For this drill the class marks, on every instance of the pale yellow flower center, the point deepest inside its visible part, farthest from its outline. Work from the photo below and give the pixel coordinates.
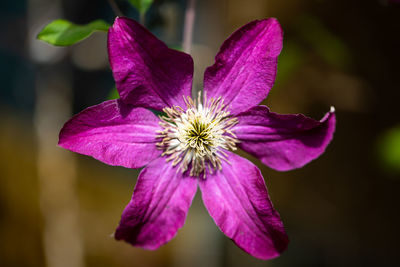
(197, 138)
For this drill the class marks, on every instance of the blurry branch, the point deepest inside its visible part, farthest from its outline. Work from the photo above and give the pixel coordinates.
(56, 169)
(188, 27)
(142, 18)
(115, 8)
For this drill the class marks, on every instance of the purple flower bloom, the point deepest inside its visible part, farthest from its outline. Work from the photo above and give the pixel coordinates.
(191, 144)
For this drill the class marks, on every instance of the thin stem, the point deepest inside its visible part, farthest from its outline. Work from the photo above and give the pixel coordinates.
(188, 28)
(115, 8)
(142, 18)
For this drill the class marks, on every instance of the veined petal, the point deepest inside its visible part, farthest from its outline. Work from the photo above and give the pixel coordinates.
(245, 67)
(283, 142)
(237, 199)
(114, 133)
(159, 206)
(146, 71)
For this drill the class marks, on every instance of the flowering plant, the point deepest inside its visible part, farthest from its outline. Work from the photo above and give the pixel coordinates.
(191, 144)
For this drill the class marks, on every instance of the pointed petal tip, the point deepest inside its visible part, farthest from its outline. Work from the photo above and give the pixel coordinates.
(116, 21)
(146, 246)
(274, 26)
(104, 130)
(121, 24)
(268, 254)
(245, 66)
(274, 21)
(158, 208)
(284, 142)
(120, 21)
(237, 199)
(60, 144)
(147, 73)
(62, 136)
(267, 20)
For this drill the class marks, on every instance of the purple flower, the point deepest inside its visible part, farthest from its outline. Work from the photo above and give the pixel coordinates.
(191, 144)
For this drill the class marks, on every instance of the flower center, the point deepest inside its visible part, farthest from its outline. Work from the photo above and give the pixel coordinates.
(196, 138)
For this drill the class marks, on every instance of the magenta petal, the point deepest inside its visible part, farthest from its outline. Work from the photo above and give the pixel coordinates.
(159, 206)
(237, 199)
(113, 132)
(283, 142)
(245, 67)
(146, 71)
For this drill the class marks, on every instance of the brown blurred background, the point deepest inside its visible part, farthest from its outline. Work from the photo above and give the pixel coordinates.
(60, 209)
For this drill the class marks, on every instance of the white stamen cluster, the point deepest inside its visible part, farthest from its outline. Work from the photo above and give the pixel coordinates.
(196, 138)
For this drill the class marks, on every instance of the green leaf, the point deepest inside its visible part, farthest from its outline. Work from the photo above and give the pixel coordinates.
(389, 149)
(141, 5)
(63, 33)
(113, 94)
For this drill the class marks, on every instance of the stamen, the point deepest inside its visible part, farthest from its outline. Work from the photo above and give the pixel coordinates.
(196, 138)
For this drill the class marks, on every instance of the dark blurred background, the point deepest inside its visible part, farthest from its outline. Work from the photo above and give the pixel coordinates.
(59, 209)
